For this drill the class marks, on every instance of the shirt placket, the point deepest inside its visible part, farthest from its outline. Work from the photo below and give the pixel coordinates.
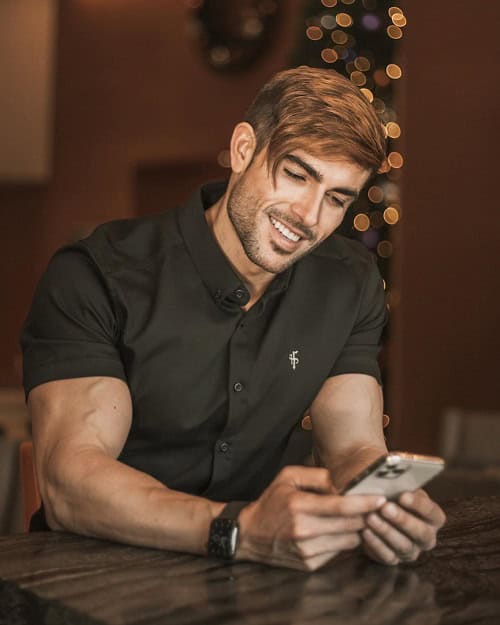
(240, 359)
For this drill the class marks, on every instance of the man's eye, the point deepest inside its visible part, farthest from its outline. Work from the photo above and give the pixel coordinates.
(336, 201)
(293, 175)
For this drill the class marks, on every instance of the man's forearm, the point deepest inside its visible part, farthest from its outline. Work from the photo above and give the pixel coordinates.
(95, 495)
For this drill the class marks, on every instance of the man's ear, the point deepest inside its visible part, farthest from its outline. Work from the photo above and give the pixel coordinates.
(243, 143)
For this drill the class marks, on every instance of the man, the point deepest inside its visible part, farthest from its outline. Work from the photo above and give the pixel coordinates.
(170, 360)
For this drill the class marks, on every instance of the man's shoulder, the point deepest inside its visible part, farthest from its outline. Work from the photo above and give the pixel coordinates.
(135, 242)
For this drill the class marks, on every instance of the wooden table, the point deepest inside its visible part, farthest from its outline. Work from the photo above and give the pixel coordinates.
(54, 578)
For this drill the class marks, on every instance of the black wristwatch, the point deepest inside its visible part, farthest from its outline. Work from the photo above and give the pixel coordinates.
(224, 531)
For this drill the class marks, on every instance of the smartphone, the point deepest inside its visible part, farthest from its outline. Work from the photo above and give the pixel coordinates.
(395, 473)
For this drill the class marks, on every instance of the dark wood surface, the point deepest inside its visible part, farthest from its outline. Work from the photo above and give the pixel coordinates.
(54, 578)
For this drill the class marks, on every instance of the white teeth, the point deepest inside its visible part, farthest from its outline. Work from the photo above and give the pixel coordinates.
(284, 230)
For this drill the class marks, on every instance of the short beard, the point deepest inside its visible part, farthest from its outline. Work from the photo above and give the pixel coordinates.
(240, 205)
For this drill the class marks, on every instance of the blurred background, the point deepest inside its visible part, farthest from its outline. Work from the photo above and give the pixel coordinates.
(118, 108)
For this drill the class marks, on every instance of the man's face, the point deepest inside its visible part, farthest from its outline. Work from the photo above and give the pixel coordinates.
(279, 222)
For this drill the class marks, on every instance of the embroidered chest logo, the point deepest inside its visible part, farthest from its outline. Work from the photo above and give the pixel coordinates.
(293, 358)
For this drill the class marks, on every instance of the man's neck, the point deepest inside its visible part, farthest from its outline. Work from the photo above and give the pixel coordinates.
(255, 278)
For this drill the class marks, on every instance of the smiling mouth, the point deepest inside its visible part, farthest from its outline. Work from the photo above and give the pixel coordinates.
(286, 232)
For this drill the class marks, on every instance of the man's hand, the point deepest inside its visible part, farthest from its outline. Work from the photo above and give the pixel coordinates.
(399, 532)
(300, 522)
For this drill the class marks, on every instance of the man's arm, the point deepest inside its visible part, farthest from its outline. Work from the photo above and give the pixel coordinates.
(80, 427)
(348, 435)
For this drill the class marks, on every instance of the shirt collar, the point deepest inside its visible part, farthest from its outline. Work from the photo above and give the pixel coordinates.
(223, 283)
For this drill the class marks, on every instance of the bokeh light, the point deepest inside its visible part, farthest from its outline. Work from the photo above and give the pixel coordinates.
(384, 249)
(394, 71)
(362, 64)
(375, 194)
(314, 33)
(344, 20)
(339, 37)
(329, 55)
(361, 222)
(395, 160)
(394, 32)
(367, 93)
(391, 215)
(393, 130)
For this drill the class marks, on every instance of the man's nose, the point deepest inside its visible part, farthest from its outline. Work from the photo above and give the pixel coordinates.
(307, 207)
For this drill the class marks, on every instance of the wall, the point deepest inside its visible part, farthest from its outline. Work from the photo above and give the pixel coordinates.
(446, 343)
(131, 87)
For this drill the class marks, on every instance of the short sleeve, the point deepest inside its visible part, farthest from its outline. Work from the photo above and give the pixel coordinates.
(359, 354)
(72, 328)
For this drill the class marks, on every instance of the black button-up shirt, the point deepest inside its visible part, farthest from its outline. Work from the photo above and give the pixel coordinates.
(218, 393)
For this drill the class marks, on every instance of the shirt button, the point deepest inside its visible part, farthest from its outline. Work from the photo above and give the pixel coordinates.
(240, 293)
(238, 386)
(224, 447)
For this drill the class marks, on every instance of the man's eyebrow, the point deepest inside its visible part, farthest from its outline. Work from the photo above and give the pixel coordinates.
(310, 170)
(319, 177)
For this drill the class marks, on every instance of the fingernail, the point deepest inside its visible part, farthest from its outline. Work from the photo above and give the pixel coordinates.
(380, 502)
(390, 510)
(406, 499)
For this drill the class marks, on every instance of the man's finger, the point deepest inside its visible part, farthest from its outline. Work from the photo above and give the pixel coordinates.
(427, 509)
(405, 547)
(314, 479)
(307, 526)
(334, 505)
(332, 544)
(378, 549)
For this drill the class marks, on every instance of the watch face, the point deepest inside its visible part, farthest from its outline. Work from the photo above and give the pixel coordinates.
(223, 538)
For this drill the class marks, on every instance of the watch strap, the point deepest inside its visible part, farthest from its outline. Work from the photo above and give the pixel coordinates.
(232, 510)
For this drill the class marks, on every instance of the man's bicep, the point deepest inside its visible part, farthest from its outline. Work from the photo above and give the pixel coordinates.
(77, 414)
(347, 414)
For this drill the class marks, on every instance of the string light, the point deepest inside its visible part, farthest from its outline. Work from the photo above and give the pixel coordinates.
(328, 22)
(362, 63)
(367, 93)
(329, 55)
(340, 37)
(224, 158)
(393, 10)
(381, 78)
(363, 34)
(394, 71)
(398, 19)
(344, 20)
(314, 33)
(375, 194)
(391, 215)
(358, 78)
(384, 249)
(395, 160)
(361, 222)
(394, 32)
(393, 130)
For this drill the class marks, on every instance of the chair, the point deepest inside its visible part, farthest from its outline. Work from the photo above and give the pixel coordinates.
(31, 499)
(470, 444)
(470, 437)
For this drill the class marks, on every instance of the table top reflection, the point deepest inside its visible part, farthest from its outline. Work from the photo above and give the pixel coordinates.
(52, 578)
